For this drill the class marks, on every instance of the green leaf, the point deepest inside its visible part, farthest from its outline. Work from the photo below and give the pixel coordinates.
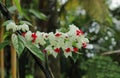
(3, 44)
(26, 14)
(26, 22)
(33, 49)
(22, 39)
(18, 44)
(14, 41)
(38, 14)
(21, 47)
(17, 3)
(36, 51)
(6, 34)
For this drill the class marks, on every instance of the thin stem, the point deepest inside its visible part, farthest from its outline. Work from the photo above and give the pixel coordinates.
(47, 65)
(47, 74)
(111, 52)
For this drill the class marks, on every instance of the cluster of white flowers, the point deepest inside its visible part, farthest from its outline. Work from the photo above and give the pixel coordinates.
(12, 26)
(54, 43)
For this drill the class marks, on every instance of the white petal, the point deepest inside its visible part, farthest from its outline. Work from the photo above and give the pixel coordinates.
(67, 54)
(12, 26)
(54, 54)
(86, 40)
(28, 36)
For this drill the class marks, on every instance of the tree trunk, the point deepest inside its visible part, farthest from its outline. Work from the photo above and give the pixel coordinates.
(1, 52)
(13, 62)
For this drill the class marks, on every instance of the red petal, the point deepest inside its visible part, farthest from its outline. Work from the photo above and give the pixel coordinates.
(79, 32)
(67, 50)
(58, 34)
(57, 50)
(23, 34)
(34, 36)
(33, 40)
(44, 50)
(75, 49)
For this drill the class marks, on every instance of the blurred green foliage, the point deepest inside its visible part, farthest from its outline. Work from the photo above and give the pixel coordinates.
(101, 67)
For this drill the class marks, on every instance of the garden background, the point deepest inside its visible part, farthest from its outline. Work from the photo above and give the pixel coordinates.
(99, 20)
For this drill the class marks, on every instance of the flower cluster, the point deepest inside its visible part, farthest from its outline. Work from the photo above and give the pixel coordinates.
(12, 26)
(54, 43)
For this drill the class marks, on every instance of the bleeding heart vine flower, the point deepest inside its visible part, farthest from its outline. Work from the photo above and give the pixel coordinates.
(11, 26)
(53, 43)
(28, 36)
(23, 27)
(40, 38)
